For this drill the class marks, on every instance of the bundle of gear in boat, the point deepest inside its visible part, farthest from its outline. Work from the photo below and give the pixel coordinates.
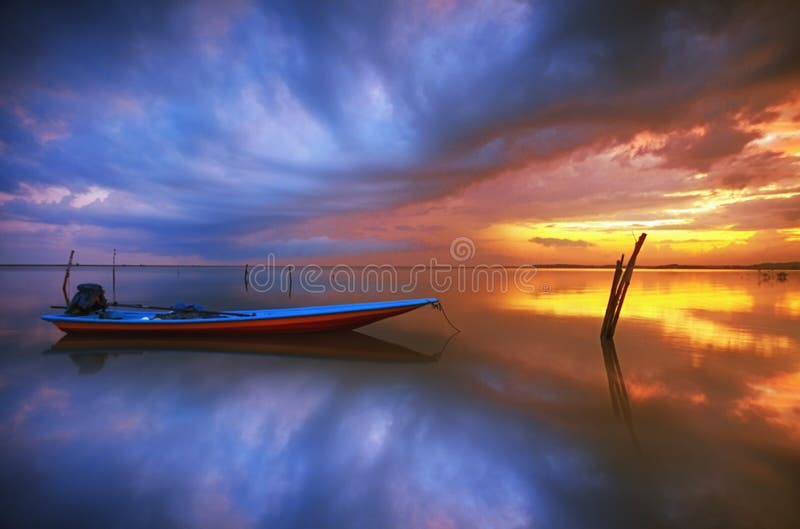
(90, 298)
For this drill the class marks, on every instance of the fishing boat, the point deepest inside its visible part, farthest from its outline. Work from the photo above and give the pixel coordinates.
(193, 320)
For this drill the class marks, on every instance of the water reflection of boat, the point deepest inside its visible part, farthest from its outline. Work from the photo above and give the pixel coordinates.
(616, 387)
(89, 363)
(91, 352)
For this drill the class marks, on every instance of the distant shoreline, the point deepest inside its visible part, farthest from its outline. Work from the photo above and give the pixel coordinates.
(759, 266)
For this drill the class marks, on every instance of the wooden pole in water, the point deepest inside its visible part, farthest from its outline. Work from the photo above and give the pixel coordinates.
(625, 282)
(114, 276)
(66, 277)
(619, 288)
(245, 277)
(609, 306)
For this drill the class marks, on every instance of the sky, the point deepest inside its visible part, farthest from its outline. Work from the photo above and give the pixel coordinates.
(361, 132)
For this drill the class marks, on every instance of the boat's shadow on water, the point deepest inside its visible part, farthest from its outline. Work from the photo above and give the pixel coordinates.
(90, 353)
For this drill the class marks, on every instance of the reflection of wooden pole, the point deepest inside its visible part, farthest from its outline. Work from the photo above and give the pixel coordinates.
(245, 277)
(66, 277)
(619, 288)
(616, 386)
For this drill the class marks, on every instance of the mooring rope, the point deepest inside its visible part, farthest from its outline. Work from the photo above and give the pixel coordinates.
(438, 306)
(446, 343)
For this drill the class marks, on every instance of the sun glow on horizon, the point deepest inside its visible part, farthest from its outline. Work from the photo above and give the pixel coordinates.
(597, 238)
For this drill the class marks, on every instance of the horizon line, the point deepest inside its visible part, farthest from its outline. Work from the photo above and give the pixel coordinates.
(784, 265)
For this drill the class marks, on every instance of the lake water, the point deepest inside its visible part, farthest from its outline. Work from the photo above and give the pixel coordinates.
(520, 420)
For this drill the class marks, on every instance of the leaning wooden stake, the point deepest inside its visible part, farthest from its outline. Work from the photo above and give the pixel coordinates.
(610, 306)
(66, 277)
(619, 288)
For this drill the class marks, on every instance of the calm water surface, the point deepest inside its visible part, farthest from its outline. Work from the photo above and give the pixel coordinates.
(521, 421)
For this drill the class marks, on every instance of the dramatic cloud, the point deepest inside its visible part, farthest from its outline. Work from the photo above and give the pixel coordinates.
(222, 130)
(38, 195)
(699, 149)
(552, 241)
(92, 195)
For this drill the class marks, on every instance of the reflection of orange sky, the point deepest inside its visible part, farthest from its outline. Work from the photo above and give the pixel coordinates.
(688, 309)
(778, 398)
(685, 331)
(641, 390)
(789, 304)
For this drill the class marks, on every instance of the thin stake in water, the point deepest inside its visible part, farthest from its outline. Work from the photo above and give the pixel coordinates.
(66, 277)
(114, 276)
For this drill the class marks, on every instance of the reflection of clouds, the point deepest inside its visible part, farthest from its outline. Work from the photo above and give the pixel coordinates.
(267, 411)
(420, 463)
(454, 482)
(363, 432)
(789, 304)
(44, 398)
(642, 390)
(268, 448)
(777, 399)
(507, 432)
(130, 424)
(212, 506)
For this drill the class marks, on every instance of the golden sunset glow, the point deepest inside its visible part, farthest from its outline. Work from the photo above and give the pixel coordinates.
(679, 306)
(791, 234)
(613, 235)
